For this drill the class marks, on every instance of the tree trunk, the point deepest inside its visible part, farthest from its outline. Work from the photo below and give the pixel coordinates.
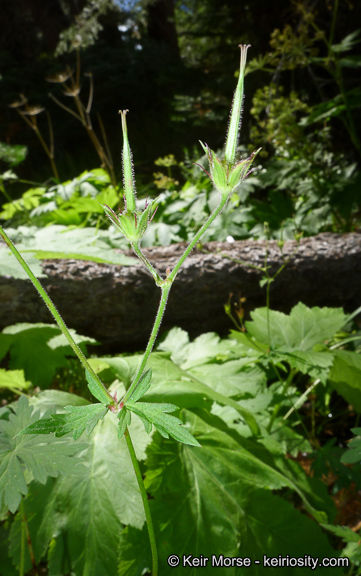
(116, 305)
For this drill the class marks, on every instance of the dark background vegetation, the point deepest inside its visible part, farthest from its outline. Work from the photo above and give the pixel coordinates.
(171, 63)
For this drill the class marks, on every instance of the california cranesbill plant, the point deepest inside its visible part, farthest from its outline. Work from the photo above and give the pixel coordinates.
(226, 174)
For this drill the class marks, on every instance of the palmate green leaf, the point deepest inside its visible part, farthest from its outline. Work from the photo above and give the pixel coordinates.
(218, 500)
(35, 455)
(347, 43)
(39, 349)
(82, 520)
(301, 330)
(206, 347)
(80, 419)
(274, 527)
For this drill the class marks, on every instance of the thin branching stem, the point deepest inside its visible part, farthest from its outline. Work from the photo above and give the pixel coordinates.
(197, 237)
(151, 342)
(157, 278)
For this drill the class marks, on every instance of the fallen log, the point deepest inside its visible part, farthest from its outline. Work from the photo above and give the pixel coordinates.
(117, 305)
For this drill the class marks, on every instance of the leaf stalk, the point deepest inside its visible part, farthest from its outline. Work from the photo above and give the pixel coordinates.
(148, 516)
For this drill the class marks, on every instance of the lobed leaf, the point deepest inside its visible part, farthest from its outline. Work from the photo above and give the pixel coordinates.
(124, 421)
(80, 419)
(23, 459)
(143, 386)
(76, 524)
(302, 329)
(97, 389)
(157, 414)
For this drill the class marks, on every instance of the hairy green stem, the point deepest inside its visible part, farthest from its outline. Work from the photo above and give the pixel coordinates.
(153, 336)
(157, 279)
(148, 516)
(188, 250)
(57, 317)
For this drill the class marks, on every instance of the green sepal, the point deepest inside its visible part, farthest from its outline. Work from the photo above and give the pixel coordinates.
(133, 225)
(80, 419)
(124, 421)
(219, 174)
(143, 221)
(227, 176)
(240, 170)
(127, 225)
(157, 414)
(96, 389)
(143, 386)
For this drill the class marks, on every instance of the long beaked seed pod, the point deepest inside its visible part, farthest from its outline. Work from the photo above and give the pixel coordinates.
(128, 177)
(236, 112)
(228, 173)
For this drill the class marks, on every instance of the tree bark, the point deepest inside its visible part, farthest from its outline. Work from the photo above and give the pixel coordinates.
(117, 305)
